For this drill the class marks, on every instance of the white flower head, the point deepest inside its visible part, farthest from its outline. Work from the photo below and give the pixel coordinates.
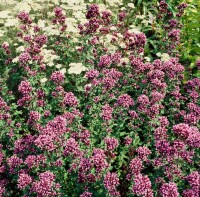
(122, 45)
(113, 28)
(41, 23)
(108, 38)
(134, 29)
(1, 33)
(5, 14)
(164, 57)
(63, 71)
(22, 6)
(158, 54)
(112, 48)
(140, 16)
(76, 68)
(131, 5)
(50, 30)
(58, 65)
(49, 57)
(10, 22)
(124, 60)
(147, 59)
(119, 35)
(15, 60)
(79, 15)
(20, 49)
(43, 80)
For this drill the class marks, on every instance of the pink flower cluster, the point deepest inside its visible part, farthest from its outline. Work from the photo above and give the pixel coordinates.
(111, 181)
(45, 186)
(111, 143)
(106, 112)
(130, 128)
(169, 189)
(125, 100)
(70, 99)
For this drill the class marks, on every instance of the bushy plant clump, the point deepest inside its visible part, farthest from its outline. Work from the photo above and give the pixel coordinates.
(90, 115)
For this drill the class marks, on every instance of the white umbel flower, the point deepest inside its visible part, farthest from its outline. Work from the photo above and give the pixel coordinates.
(76, 68)
(58, 65)
(164, 57)
(63, 71)
(131, 5)
(15, 60)
(43, 80)
(11, 22)
(5, 14)
(20, 49)
(41, 23)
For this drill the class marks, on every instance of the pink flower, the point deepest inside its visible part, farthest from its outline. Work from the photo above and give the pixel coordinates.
(142, 186)
(91, 74)
(111, 143)
(57, 77)
(34, 116)
(23, 180)
(111, 181)
(143, 152)
(128, 141)
(99, 160)
(44, 187)
(24, 87)
(70, 99)
(58, 12)
(143, 99)
(193, 139)
(2, 190)
(169, 190)
(194, 179)
(93, 11)
(105, 60)
(86, 194)
(125, 100)
(24, 17)
(41, 40)
(182, 130)
(136, 166)
(24, 58)
(190, 193)
(14, 162)
(71, 147)
(106, 112)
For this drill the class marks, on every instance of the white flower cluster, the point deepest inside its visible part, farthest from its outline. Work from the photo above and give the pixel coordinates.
(50, 30)
(49, 57)
(43, 80)
(131, 5)
(76, 68)
(115, 3)
(163, 56)
(5, 14)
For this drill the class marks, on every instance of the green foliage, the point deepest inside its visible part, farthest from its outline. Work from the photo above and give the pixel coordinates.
(190, 47)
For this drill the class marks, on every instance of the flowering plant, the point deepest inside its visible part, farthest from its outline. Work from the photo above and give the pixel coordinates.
(87, 115)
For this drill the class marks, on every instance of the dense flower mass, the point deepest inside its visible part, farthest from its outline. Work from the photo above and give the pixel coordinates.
(125, 100)
(142, 186)
(169, 189)
(96, 99)
(111, 181)
(24, 180)
(70, 99)
(57, 77)
(24, 87)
